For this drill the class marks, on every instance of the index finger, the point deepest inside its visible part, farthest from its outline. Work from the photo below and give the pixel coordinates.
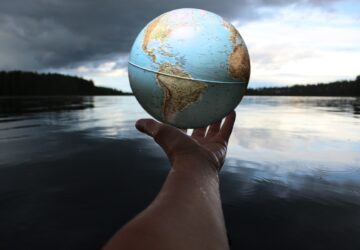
(227, 127)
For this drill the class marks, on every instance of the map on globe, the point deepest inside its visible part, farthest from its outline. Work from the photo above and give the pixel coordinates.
(187, 51)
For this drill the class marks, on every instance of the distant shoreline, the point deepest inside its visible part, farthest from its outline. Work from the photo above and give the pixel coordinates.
(31, 84)
(338, 88)
(281, 95)
(130, 94)
(19, 83)
(60, 96)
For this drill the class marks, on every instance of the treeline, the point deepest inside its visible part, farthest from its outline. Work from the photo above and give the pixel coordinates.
(338, 88)
(19, 83)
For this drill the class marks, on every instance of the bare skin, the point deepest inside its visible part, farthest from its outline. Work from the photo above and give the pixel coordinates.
(187, 213)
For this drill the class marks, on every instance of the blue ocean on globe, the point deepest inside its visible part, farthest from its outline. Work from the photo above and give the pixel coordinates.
(189, 68)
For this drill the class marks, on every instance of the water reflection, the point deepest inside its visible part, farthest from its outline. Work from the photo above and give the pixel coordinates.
(348, 105)
(268, 129)
(265, 210)
(12, 106)
(292, 175)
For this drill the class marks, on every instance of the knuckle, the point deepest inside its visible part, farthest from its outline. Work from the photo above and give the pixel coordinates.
(162, 132)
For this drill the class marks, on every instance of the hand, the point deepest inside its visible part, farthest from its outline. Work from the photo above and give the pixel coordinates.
(188, 205)
(209, 147)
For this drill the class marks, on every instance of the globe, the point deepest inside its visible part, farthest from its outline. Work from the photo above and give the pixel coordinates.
(189, 68)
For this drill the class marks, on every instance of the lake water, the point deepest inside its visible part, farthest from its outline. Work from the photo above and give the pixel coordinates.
(73, 170)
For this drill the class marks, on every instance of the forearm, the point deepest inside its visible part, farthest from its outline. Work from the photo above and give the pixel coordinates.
(186, 214)
(191, 198)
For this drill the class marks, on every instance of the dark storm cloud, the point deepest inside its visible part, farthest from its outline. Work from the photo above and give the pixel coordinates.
(41, 34)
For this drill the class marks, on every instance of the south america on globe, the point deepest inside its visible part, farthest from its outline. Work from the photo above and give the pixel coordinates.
(189, 68)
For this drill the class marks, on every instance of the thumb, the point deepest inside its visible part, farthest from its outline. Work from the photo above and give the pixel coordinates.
(166, 136)
(160, 132)
(148, 126)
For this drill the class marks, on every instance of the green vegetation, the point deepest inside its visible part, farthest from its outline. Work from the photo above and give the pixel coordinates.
(19, 83)
(338, 88)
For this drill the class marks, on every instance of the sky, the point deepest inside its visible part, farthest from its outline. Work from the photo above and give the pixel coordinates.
(289, 42)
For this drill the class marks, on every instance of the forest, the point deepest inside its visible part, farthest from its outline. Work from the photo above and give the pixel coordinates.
(338, 88)
(19, 83)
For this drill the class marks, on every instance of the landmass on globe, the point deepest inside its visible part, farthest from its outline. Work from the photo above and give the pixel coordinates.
(160, 41)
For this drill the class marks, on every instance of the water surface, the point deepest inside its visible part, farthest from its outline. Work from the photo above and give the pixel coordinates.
(73, 170)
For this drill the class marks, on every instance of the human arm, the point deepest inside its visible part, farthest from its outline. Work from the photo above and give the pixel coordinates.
(187, 212)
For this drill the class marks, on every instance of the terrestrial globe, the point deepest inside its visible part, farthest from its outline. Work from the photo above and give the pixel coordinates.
(189, 68)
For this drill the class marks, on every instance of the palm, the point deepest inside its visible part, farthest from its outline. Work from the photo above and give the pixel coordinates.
(205, 143)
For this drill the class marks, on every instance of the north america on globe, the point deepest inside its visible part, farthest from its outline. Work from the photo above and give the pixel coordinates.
(189, 68)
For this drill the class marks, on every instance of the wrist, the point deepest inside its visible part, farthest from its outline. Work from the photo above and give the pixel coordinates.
(196, 161)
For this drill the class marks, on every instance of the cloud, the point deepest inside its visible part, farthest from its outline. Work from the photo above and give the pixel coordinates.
(303, 46)
(50, 34)
(108, 69)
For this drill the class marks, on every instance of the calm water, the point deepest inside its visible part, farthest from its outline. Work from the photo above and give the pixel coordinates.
(73, 170)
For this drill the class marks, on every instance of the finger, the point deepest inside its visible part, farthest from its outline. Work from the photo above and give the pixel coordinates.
(199, 132)
(148, 126)
(213, 129)
(228, 125)
(168, 137)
